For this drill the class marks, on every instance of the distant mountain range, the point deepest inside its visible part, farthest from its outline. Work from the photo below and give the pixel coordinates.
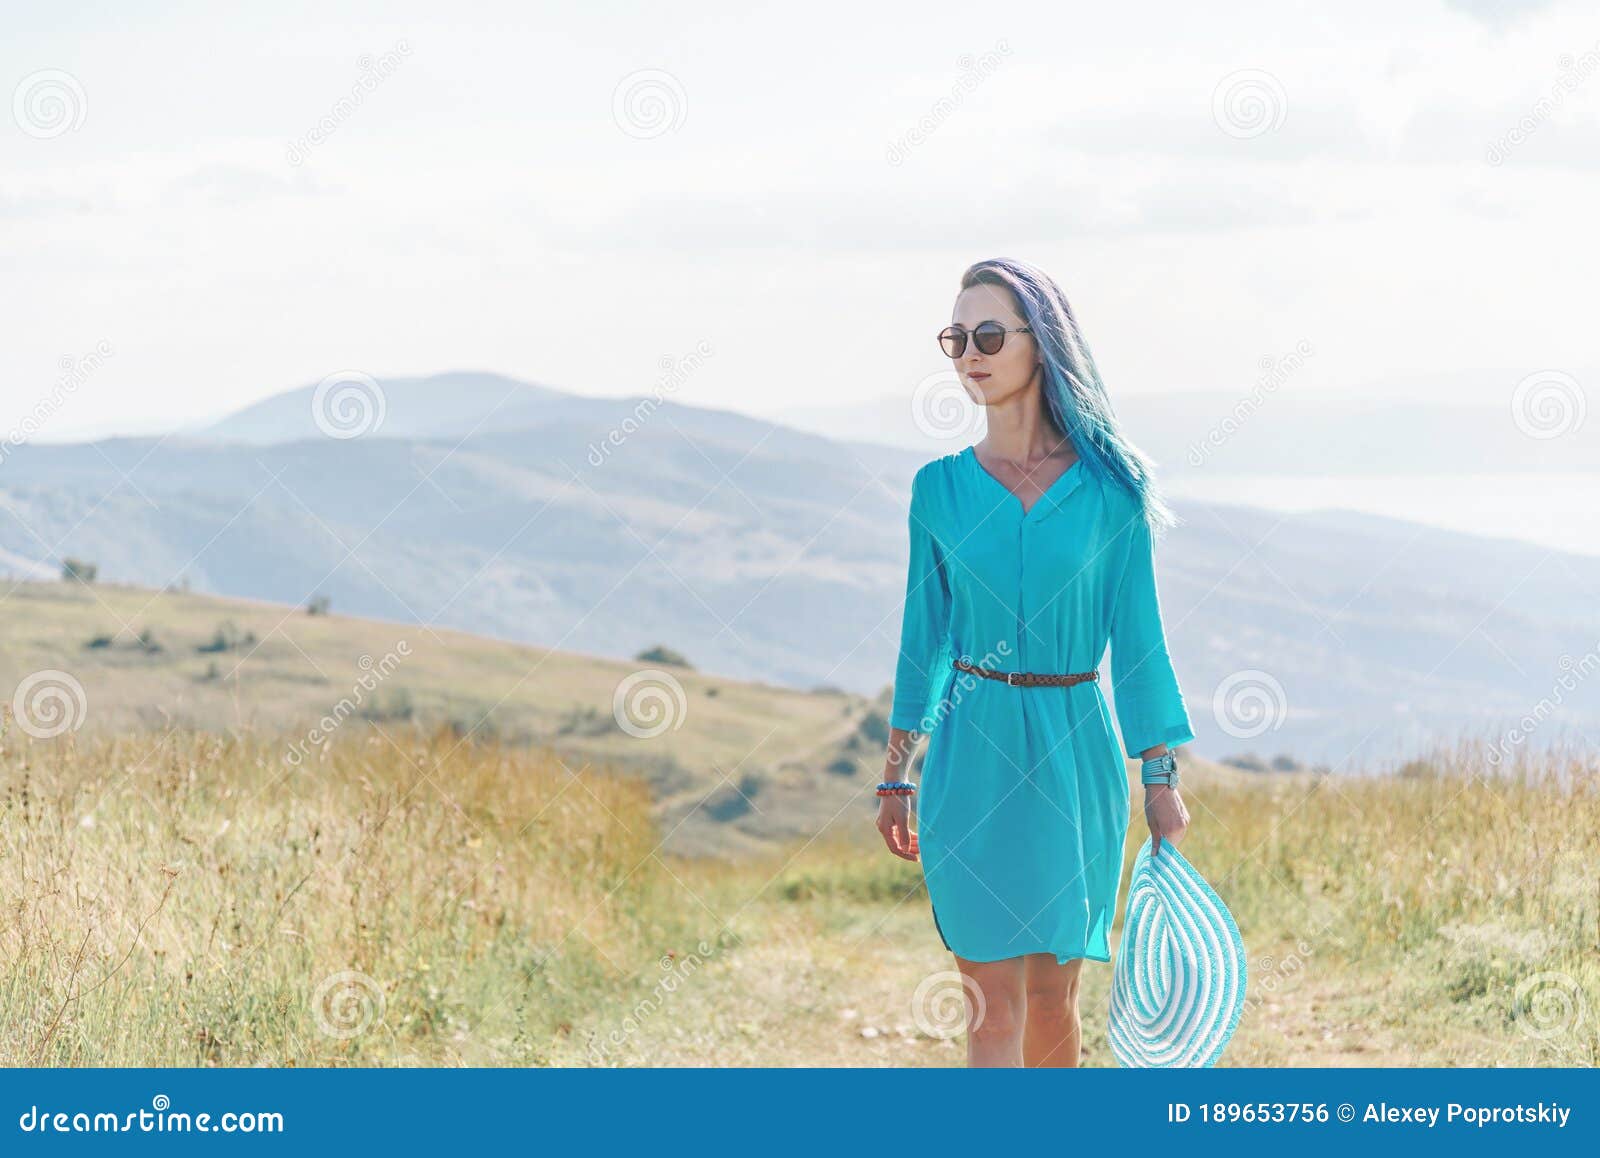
(608, 525)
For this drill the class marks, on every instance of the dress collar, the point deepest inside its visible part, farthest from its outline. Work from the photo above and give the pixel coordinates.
(1049, 502)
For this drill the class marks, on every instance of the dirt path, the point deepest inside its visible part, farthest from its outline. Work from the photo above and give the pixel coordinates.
(866, 990)
(839, 986)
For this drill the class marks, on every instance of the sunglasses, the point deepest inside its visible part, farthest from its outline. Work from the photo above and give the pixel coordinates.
(989, 337)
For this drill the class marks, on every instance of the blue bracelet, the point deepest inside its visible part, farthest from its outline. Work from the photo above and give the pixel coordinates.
(1161, 769)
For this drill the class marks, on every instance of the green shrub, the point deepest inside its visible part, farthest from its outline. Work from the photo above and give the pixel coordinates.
(664, 655)
(228, 637)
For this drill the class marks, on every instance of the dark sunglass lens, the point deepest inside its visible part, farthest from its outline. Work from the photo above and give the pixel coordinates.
(953, 341)
(990, 336)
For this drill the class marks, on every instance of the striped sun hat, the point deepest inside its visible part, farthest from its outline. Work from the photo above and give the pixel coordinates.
(1178, 987)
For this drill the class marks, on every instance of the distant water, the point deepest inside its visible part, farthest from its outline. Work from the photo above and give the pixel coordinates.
(1552, 510)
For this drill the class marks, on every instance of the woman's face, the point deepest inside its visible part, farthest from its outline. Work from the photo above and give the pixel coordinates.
(990, 379)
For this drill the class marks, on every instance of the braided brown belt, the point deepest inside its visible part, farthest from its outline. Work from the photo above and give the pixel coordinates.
(1027, 679)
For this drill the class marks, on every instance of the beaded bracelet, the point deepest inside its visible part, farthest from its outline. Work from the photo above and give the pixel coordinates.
(896, 788)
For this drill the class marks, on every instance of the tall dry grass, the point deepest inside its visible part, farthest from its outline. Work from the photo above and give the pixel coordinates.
(400, 898)
(1469, 889)
(409, 899)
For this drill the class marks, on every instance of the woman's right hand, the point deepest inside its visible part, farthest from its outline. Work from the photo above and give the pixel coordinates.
(894, 821)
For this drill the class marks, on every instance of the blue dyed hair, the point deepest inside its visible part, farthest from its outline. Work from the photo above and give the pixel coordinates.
(1075, 397)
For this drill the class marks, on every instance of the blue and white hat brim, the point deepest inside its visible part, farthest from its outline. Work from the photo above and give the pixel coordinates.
(1178, 987)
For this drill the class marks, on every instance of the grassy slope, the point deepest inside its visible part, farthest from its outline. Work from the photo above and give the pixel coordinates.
(744, 766)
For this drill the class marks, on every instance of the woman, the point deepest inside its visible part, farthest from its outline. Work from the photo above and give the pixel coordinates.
(1030, 552)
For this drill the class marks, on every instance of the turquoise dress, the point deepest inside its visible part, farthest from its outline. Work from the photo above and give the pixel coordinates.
(1023, 802)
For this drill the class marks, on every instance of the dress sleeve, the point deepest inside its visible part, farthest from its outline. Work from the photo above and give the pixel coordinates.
(925, 622)
(1149, 705)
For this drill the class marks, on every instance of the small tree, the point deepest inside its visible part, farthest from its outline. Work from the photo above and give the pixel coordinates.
(80, 569)
(664, 655)
(1246, 762)
(318, 605)
(228, 637)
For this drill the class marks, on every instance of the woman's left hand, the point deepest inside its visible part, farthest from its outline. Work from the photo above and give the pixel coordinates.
(1165, 813)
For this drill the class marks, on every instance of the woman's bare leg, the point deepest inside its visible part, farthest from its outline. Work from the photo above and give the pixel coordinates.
(1053, 1033)
(994, 1020)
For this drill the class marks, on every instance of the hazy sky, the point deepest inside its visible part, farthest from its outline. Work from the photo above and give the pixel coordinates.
(571, 193)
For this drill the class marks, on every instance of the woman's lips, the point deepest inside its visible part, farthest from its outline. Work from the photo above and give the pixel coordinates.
(977, 376)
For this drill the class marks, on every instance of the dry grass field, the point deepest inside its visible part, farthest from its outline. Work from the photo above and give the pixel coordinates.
(406, 898)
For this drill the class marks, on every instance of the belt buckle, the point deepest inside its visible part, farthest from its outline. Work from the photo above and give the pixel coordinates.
(1011, 679)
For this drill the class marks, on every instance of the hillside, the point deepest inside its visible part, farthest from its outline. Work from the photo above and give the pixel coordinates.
(589, 526)
(744, 765)
(608, 526)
